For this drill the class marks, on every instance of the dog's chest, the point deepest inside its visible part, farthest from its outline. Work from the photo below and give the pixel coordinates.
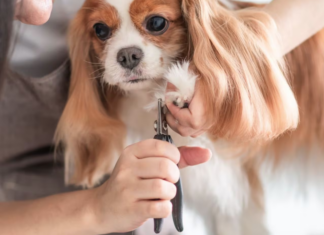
(294, 195)
(139, 122)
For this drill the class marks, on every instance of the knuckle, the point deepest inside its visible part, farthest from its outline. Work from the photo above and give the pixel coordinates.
(176, 173)
(160, 209)
(195, 124)
(158, 186)
(173, 191)
(125, 167)
(177, 155)
(170, 171)
(164, 168)
(120, 178)
(153, 209)
(160, 147)
(167, 209)
(127, 151)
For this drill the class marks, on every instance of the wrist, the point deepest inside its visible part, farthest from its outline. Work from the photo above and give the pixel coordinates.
(95, 217)
(89, 215)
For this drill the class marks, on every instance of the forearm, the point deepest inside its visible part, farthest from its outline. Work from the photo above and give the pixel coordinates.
(65, 214)
(297, 20)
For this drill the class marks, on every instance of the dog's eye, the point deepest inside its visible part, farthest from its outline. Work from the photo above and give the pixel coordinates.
(102, 31)
(157, 25)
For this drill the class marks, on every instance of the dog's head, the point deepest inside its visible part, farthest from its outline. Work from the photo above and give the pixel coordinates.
(133, 40)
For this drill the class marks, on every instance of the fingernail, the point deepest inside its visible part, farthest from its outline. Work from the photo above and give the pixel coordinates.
(210, 153)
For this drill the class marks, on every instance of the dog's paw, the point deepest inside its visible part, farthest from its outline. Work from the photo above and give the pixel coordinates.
(177, 99)
(184, 82)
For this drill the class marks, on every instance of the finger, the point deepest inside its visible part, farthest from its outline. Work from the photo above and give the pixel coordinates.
(198, 133)
(154, 148)
(196, 104)
(155, 189)
(157, 168)
(155, 209)
(183, 115)
(177, 127)
(193, 117)
(198, 111)
(191, 156)
(34, 12)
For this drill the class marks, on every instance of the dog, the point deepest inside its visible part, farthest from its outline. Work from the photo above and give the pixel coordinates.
(265, 175)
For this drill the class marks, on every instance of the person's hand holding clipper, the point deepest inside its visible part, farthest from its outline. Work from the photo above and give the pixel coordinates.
(145, 171)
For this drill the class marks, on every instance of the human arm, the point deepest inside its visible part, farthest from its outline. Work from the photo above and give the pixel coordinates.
(120, 205)
(296, 20)
(58, 214)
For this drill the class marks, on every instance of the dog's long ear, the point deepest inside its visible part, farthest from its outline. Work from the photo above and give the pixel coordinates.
(90, 137)
(235, 54)
(306, 64)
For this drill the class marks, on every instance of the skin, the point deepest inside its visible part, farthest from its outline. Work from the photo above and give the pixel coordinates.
(145, 171)
(35, 12)
(191, 121)
(297, 20)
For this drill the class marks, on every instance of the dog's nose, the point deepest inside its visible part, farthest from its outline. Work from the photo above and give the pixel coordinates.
(129, 57)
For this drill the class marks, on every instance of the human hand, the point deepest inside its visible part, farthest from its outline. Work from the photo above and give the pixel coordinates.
(33, 12)
(191, 121)
(145, 171)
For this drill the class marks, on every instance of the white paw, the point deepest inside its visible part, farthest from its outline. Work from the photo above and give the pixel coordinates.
(177, 99)
(184, 80)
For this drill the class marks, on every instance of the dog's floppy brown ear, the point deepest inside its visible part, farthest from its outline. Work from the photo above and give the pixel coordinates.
(306, 64)
(90, 137)
(235, 54)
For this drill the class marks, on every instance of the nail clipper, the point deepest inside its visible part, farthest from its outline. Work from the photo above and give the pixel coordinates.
(161, 128)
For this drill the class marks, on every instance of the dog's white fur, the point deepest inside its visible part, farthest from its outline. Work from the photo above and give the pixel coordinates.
(184, 80)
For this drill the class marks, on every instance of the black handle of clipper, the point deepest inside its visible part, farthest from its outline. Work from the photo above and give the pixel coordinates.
(176, 202)
(158, 222)
(177, 205)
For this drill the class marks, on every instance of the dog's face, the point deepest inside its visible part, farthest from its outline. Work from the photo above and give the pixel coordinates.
(135, 40)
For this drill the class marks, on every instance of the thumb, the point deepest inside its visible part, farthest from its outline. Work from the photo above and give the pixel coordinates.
(191, 156)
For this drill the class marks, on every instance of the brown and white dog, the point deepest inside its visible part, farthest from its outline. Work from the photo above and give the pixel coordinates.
(123, 52)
